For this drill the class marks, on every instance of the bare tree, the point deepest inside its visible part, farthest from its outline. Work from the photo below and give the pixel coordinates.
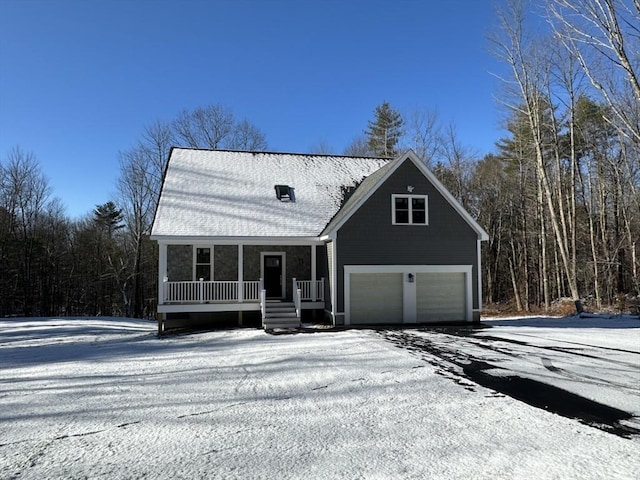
(138, 194)
(204, 127)
(215, 127)
(322, 148)
(604, 35)
(156, 142)
(359, 147)
(529, 74)
(425, 135)
(24, 195)
(458, 159)
(246, 136)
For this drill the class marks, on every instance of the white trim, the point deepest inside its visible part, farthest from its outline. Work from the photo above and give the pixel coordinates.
(410, 209)
(314, 273)
(283, 266)
(479, 273)
(225, 307)
(162, 270)
(209, 307)
(189, 240)
(333, 280)
(240, 274)
(195, 260)
(410, 307)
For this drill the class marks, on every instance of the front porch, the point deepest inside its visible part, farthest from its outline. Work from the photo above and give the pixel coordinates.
(220, 278)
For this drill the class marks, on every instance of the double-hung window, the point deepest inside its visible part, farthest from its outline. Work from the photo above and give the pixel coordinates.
(203, 263)
(409, 210)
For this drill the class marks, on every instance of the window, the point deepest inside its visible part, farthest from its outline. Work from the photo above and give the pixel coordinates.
(203, 264)
(409, 210)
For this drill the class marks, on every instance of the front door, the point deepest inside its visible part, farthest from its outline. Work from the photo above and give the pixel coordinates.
(273, 275)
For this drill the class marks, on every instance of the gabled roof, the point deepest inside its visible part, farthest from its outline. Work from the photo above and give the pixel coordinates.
(371, 184)
(217, 193)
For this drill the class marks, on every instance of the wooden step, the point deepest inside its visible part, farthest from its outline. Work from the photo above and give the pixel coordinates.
(271, 323)
(280, 314)
(280, 306)
(280, 309)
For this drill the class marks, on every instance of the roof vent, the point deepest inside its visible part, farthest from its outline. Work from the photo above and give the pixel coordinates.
(285, 192)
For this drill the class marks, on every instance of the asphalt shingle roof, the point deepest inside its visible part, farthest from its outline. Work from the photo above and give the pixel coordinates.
(215, 193)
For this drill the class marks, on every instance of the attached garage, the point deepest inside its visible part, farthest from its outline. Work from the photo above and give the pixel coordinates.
(387, 294)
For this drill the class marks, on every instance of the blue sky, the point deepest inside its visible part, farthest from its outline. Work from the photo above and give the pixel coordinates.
(79, 80)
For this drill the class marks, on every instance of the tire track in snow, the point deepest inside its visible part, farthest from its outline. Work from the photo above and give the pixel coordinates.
(532, 392)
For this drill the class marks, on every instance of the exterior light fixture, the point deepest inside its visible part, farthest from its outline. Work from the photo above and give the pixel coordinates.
(411, 277)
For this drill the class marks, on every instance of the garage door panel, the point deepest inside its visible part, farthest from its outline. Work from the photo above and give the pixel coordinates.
(376, 298)
(440, 297)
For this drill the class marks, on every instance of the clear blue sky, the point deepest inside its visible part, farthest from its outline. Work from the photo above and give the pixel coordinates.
(79, 80)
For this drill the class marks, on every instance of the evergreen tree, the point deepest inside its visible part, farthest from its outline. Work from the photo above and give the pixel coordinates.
(384, 131)
(108, 217)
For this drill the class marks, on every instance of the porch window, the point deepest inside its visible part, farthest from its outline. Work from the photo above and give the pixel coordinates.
(409, 210)
(203, 264)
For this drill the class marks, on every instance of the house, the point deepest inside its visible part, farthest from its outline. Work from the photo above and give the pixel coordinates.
(280, 236)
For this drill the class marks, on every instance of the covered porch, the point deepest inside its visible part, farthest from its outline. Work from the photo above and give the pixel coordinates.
(213, 275)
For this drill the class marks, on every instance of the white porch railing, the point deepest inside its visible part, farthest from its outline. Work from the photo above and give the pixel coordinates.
(227, 291)
(310, 290)
(252, 291)
(210, 291)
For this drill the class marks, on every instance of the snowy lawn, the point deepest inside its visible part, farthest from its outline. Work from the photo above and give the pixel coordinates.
(101, 397)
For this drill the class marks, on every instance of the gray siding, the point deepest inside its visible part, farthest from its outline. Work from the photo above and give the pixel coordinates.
(298, 260)
(369, 238)
(225, 262)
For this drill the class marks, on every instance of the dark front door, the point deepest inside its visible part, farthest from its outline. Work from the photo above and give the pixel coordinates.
(273, 275)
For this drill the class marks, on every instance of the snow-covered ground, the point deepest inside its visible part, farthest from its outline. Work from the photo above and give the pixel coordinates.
(103, 397)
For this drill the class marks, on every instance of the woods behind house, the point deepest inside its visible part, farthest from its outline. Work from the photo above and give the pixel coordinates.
(559, 196)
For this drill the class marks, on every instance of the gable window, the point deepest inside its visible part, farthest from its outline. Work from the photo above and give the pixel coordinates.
(409, 210)
(203, 264)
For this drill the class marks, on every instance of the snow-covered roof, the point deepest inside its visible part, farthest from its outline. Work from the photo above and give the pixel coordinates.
(217, 193)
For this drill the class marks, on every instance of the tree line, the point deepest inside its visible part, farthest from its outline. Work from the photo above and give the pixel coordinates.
(103, 264)
(559, 196)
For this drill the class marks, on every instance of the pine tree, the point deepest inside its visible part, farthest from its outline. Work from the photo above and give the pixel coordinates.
(108, 217)
(384, 131)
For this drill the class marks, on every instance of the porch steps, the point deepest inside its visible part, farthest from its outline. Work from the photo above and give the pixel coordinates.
(280, 315)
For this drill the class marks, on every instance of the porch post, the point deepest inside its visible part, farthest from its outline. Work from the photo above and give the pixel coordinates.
(313, 273)
(240, 274)
(162, 278)
(162, 271)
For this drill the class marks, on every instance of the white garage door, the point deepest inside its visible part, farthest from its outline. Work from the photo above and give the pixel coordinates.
(375, 298)
(440, 297)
